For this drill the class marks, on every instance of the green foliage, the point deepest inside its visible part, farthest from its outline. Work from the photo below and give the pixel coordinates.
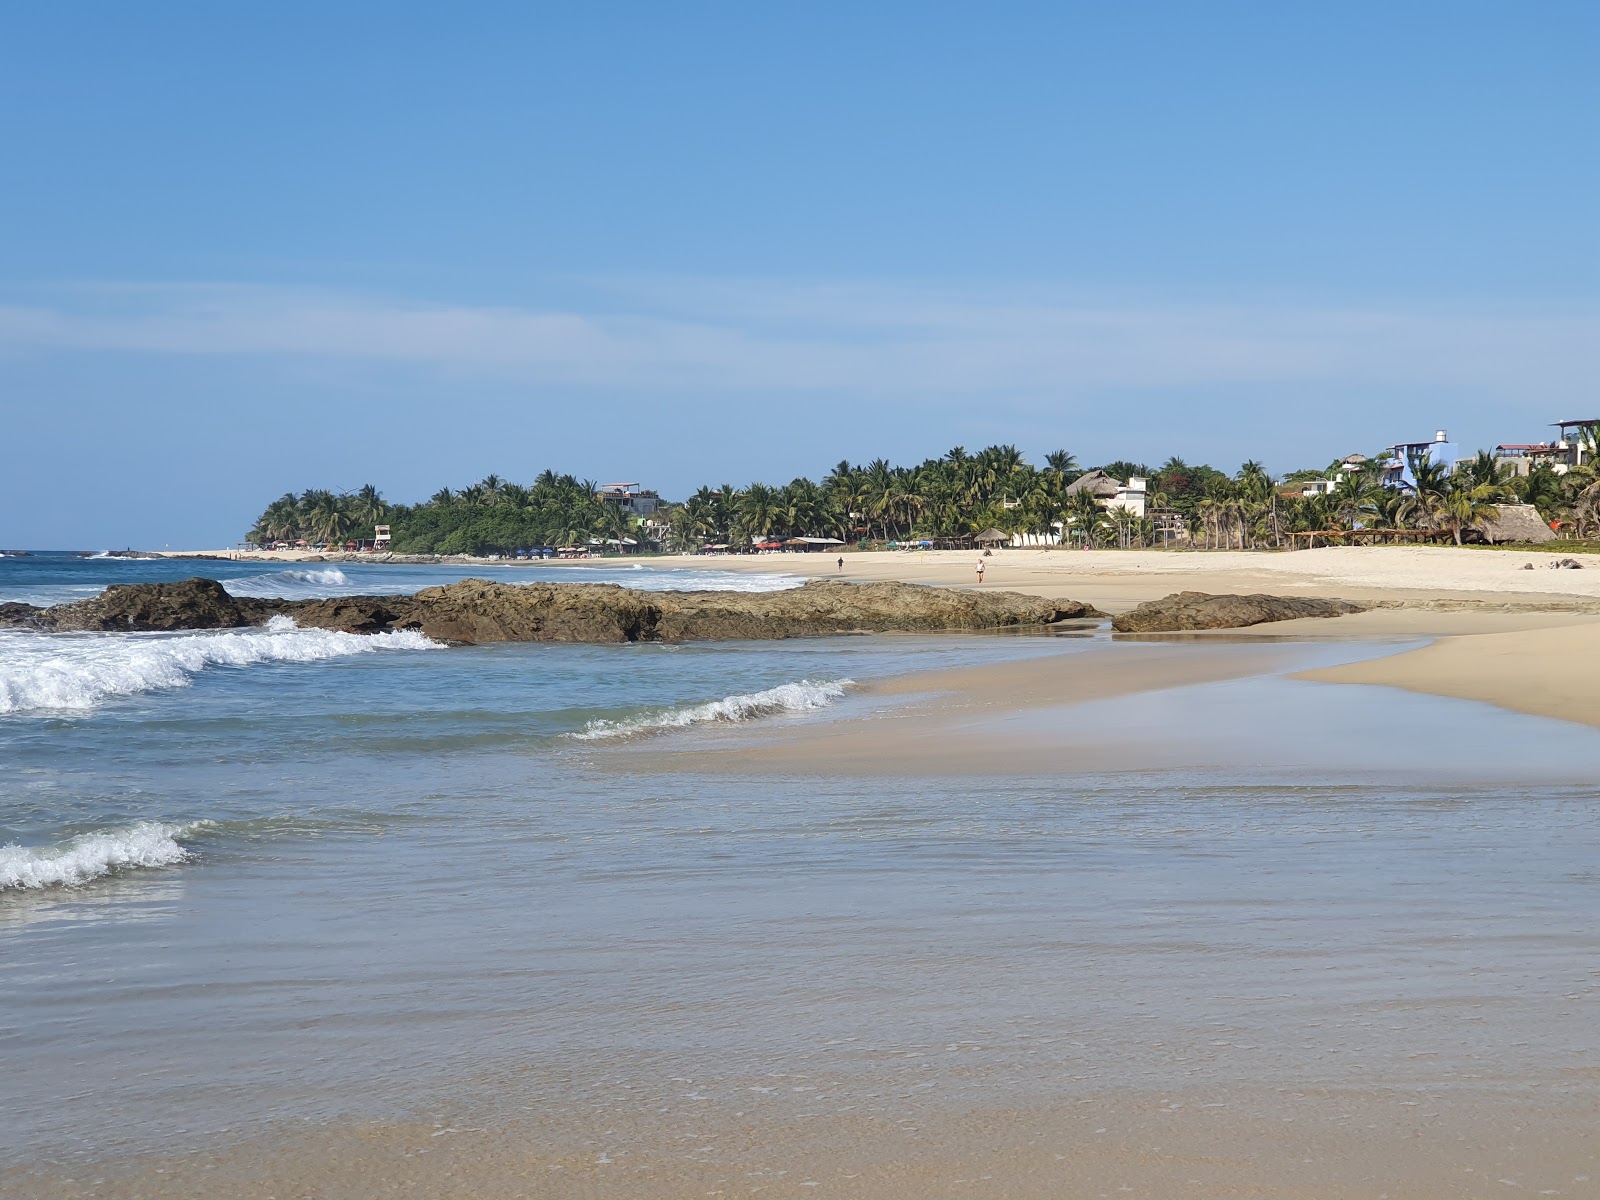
(488, 517)
(954, 495)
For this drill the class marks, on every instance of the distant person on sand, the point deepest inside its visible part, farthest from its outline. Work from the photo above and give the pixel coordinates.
(841, 564)
(980, 570)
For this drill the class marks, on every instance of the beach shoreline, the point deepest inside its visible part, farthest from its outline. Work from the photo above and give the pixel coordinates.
(1010, 920)
(1123, 577)
(1437, 592)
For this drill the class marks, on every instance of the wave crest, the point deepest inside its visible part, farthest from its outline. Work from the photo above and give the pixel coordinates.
(78, 672)
(93, 855)
(288, 584)
(801, 696)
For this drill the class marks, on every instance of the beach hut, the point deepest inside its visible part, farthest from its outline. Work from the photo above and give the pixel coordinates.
(1097, 483)
(1516, 523)
(811, 543)
(992, 537)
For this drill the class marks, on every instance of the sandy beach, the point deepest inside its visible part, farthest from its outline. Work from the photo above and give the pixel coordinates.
(1507, 635)
(1117, 579)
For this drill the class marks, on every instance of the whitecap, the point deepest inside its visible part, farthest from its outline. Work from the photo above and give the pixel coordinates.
(290, 584)
(91, 856)
(76, 672)
(804, 695)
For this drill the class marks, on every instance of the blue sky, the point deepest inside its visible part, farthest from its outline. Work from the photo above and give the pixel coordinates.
(250, 250)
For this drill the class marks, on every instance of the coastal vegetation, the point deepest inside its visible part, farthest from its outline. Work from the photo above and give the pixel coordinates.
(954, 497)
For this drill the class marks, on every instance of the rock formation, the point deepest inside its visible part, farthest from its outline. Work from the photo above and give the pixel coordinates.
(475, 610)
(1199, 610)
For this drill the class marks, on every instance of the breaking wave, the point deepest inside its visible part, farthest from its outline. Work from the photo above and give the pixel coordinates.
(802, 696)
(289, 584)
(76, 672)
(91, 856)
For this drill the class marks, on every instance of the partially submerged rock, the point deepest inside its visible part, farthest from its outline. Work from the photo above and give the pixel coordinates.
(476, 610)
(1200, 610)
(147, 607)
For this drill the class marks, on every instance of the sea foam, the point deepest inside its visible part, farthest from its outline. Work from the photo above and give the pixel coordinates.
(77, 672)
(90, 856)
(801, 696)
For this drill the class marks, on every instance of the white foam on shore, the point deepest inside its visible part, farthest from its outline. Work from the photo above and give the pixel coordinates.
(91, 856)
(290, 584)
(804, 695)
(76, 672)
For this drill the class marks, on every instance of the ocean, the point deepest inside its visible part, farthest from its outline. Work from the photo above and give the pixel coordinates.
(263, 880)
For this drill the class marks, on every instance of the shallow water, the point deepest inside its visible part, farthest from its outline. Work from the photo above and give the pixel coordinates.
(55, 578)
(377, 882)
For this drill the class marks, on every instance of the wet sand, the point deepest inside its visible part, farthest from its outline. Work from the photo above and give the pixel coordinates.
(1209, 1144)
(1548, 671)
(973, 721)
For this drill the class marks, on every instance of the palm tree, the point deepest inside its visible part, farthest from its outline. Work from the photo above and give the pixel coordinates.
(1468, 504)
(1483, 468)
(1424, 504)
(1354, 497)
(758, 508)
(1061, 462)
(367, 506)
(618, 524)
(1084, 515)
(1542, 488)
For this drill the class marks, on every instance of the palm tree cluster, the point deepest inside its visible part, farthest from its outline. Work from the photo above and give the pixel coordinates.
(318, 515)
(492, 516)
(954, 496)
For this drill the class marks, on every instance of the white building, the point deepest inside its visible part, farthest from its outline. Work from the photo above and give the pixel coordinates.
(1130, 497)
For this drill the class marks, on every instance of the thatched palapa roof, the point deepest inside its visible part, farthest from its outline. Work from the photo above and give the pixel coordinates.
(1097, 483)
(1516, 523)
(992, 535)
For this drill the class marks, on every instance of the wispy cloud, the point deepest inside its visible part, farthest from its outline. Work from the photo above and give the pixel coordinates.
(671, 335)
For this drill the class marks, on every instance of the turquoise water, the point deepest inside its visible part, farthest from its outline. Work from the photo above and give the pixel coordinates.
(301, 879)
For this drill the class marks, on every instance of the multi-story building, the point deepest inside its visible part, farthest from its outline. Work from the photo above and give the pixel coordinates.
(1574, 447)
(631, 497)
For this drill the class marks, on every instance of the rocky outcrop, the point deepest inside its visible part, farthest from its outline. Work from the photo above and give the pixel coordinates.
(475, 611)
(147, 607)
(14, 613)
(823, 607)
(1199, 610)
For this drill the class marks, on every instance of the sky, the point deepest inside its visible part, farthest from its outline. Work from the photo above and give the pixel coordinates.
(254, 249)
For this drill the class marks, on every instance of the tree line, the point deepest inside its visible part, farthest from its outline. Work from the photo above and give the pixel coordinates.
(955, 495)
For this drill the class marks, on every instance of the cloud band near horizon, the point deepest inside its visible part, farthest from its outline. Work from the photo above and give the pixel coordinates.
(714, 335)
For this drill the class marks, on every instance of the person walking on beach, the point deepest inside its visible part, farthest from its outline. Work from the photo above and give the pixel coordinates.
(980, 570)
(841, 565)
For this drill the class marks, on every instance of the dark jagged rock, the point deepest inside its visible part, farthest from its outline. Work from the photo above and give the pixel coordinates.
(13, 614)
(345, 614)
(1199, 610)
(149, 607)
(475, 610)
